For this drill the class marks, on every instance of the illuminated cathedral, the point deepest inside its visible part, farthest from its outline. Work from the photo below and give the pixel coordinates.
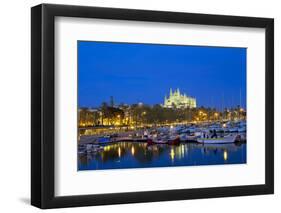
(178, 100)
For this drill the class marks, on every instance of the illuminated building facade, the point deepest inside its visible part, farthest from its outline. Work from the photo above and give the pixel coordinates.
(178, 100)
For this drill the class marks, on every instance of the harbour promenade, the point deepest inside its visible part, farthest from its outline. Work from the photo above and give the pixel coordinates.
(186, 132)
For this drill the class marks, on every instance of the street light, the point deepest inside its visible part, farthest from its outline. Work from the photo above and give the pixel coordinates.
(216, 115)
(119, 118)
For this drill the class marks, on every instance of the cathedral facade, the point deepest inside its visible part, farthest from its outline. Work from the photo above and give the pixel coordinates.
(178, 100)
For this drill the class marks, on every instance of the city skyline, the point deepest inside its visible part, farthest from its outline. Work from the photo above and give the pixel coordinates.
(133, 73)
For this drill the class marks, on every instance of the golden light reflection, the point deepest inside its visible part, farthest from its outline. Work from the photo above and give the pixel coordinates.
(133, 150)
(172, 154)
(102, 156)
(106, 148)
(119, 152)
(225, 155)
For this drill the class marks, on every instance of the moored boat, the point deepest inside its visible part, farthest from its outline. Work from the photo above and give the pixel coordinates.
(189, 137)
(175, 141)
(104, 140)
(156, 141)
(218, 140)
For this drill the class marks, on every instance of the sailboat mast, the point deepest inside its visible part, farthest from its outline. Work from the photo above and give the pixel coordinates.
(240, 100)
(222, 109)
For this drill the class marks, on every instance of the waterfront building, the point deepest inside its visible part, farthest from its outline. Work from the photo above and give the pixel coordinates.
(178, 100)
(88, 117)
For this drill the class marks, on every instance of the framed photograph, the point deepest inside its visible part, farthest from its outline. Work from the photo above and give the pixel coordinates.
(139, 106)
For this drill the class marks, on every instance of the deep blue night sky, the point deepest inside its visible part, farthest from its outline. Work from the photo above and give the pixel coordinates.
(133, 73)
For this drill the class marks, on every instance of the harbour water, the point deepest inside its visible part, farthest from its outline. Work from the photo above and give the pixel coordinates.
(139, 155)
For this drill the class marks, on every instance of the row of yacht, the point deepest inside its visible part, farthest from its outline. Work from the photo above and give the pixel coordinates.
(228, 132)
(206, 133)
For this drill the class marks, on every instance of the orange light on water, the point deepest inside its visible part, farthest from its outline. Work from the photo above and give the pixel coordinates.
(172, 154)
(133, 150)
(119, 152)
(225, 155)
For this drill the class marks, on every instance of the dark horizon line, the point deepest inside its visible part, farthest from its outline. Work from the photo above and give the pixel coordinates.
(199, 106)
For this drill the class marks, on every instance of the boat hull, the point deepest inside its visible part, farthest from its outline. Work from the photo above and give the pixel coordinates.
(175, 141)
(229, 139)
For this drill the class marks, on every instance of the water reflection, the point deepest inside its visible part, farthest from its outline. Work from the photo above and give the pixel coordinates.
(225, 155)
(139, 155)
(172, 154)
(133, 150)
(119, 151)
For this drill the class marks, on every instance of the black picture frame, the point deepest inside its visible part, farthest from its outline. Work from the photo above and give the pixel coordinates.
(43, 117)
